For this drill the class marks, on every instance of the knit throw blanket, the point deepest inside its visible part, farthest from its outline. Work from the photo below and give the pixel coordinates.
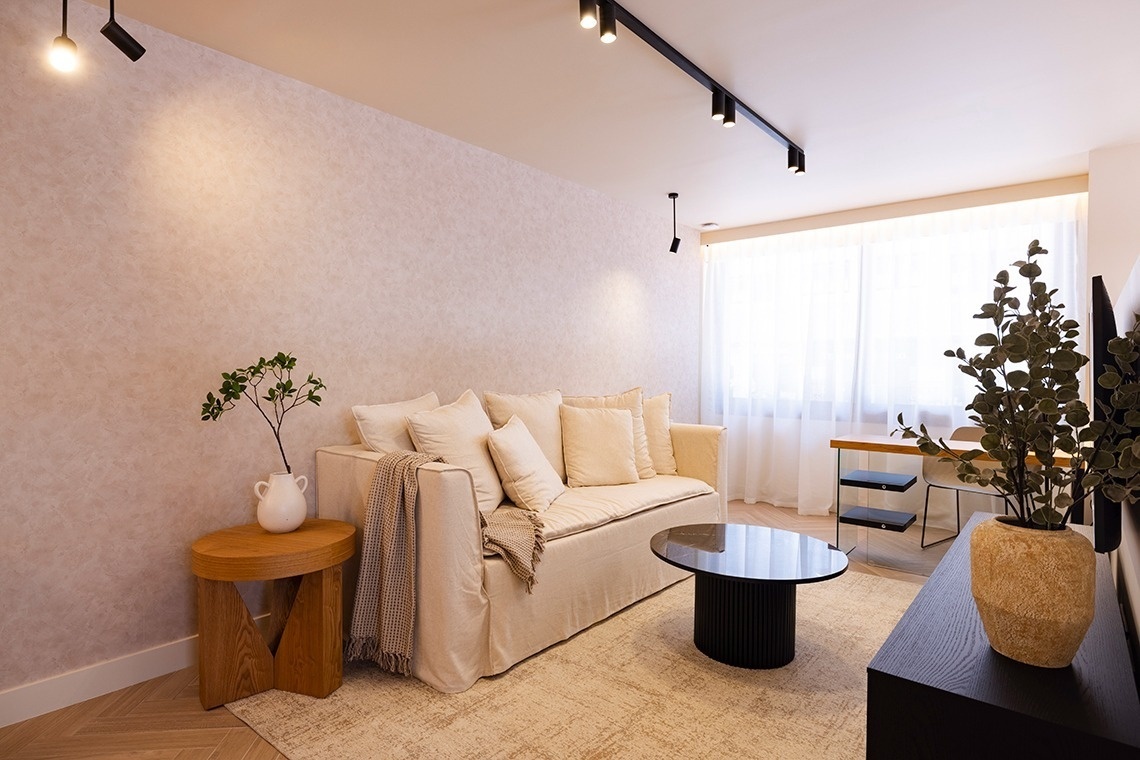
(384, 612)
(516, 536)
(385, 606)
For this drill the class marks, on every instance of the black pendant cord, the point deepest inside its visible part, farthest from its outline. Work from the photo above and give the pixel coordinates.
(112, 11)
(64, 19)
(674, 215)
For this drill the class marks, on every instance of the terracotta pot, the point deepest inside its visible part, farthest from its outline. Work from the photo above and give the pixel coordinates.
(1035, 590)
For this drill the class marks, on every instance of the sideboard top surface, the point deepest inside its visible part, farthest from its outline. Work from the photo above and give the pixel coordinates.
(940, 643)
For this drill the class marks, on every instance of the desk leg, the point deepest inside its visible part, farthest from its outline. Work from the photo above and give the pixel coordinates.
(233, 660)
(309, 658)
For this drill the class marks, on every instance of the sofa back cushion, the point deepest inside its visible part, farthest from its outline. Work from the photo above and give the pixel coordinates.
(529, 480)
(631, 401)
(539, 413)
(598, 446)
(457, 433)
(384, 427)
(656, 413)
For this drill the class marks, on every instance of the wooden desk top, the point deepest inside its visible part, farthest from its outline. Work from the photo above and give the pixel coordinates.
(251, 553)
(886, 444)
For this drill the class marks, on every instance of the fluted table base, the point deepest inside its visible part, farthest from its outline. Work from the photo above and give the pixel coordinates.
(749, 624)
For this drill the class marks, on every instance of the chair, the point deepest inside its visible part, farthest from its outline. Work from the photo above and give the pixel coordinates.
(945, 475)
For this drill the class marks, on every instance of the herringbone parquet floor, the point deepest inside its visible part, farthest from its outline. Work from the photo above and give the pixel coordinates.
(161, 719)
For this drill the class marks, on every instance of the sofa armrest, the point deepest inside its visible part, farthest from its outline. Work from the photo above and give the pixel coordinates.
(701, 452)
(452, 616)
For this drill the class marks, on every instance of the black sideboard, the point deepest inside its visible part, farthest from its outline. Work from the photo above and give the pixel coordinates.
(937, 690)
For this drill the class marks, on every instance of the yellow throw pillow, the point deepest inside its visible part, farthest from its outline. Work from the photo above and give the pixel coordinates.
(529, 480)
(457, 433)
(598, 446)
(630, 400)
(656, 413)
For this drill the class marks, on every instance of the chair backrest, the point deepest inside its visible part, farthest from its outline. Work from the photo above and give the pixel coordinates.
(943, 473)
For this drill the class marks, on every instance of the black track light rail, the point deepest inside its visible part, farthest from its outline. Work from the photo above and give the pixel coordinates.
(651, 38)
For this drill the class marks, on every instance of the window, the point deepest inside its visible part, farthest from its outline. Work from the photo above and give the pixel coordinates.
(814, 334)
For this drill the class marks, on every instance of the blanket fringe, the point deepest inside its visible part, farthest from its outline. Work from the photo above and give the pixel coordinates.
(368, 648)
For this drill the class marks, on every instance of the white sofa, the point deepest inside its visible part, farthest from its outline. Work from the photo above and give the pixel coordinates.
(473, 615)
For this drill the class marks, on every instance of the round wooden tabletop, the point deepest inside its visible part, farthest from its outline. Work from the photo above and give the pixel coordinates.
(251, 553)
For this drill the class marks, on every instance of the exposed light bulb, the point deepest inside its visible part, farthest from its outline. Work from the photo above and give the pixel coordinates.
(64, 55)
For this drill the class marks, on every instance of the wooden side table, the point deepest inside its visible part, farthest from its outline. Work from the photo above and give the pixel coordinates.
(302, 652)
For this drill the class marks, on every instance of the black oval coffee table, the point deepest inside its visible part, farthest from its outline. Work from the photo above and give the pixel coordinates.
(744, 613)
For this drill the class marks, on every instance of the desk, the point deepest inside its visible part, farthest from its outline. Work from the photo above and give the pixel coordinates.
(885, 444)
(303, 653)
(937, 690)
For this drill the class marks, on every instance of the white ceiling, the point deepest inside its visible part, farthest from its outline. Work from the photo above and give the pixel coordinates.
(891, 99)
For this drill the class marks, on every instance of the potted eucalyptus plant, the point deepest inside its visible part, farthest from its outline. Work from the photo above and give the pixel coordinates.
(281, 501)
(1033, 578)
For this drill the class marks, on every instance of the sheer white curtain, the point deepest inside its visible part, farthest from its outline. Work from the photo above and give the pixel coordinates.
(810, 335)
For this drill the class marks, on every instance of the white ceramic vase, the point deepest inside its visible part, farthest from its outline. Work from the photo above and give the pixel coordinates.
(281, 505)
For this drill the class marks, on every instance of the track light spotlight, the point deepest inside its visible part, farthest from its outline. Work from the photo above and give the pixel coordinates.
(122, 40)
(608, 27)
(676, 244)
(588, 13)
(796, 161)
(718, 105)
(729, 112)
(64, 55)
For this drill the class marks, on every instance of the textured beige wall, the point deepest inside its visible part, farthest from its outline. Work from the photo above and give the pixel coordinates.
(166, 220)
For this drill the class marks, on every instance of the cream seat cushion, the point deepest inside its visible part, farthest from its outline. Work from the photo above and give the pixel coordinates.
(539, 412)
(598, 446)
(529, 480)
(580, 509)
(630, 400)
(457, 433)
(656, 413)
(384, 427)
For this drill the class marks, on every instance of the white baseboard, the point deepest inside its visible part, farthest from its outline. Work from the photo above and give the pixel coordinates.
(39, 697)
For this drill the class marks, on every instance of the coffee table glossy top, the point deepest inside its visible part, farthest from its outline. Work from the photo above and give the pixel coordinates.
(749, 552)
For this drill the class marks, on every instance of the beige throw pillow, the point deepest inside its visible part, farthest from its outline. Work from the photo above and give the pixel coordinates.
(384, 427)
(630, 400)
(529, 480)
(457, 433)
(656, 413)
(598, 446)
(539, 412)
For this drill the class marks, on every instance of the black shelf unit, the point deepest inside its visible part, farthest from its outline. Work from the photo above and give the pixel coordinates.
(883, 519)
(867, 517)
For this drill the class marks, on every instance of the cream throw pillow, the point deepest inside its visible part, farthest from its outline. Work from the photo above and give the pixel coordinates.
(598, 446)
(457, 433)
(630, 400)
(529, 480)
(539, 412)
(384, 427)
(656, 413)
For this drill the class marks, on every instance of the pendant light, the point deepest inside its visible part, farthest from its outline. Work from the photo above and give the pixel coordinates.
(676, 245)
(607, 29)
(64, 55)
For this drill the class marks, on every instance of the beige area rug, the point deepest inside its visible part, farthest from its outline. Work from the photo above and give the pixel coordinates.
(631, 686)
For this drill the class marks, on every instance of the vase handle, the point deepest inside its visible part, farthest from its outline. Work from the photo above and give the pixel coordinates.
(302, 485)
(259, 489)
